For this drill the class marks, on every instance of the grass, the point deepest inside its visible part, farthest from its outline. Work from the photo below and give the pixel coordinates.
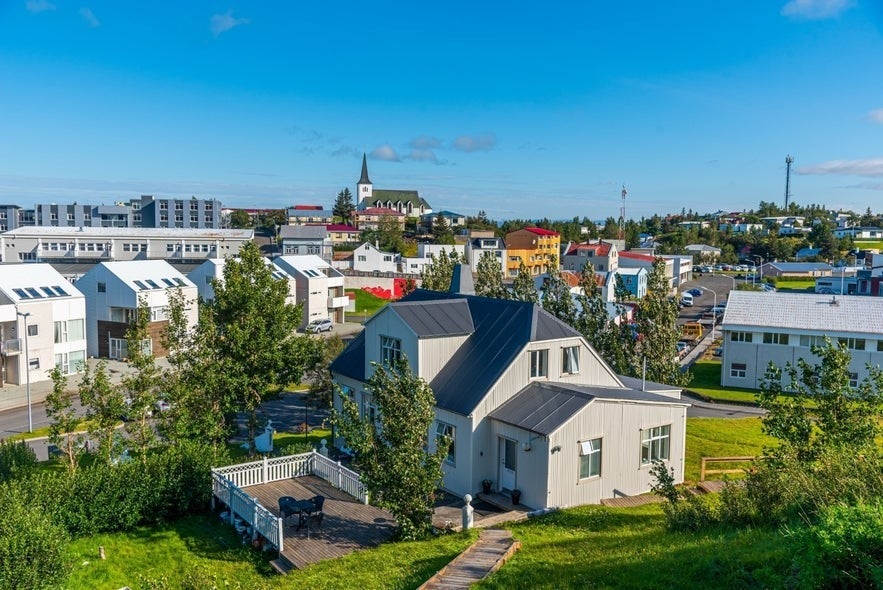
(210, 551)
(795, 284)
(869, 244)
(722, 437)
(366, 303)
(706, 382)
(281, 439)
(597, 547)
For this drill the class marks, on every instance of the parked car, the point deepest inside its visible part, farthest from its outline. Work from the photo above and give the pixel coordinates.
(767, 288)
(320, 325)
(695, 292)
(719, 351)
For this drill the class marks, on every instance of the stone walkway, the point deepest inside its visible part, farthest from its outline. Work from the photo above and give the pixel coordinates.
(482, 558)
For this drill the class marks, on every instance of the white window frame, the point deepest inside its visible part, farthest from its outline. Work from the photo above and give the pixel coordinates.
(390, 349)
(34, 363)
(570, 360)
(853, 379)
(655, 444)
(539, 363)
(738, 370)
(33, 329)
(60, 332)
(588, 450)
(443, 429)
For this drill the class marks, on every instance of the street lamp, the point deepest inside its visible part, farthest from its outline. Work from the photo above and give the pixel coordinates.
(843, 271)
(713, 311)
(26, 315)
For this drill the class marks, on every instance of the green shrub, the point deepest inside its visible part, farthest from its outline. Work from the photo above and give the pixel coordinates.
(843, 550)
(296, 448)
(15, 458)
(32, 547)
(684, 511)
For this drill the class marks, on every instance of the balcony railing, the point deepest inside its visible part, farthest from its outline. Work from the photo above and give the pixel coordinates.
(10, 347)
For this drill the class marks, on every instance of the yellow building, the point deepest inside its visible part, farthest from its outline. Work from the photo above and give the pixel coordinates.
(534, 247)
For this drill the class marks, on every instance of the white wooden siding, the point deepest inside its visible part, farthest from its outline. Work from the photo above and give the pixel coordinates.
(435, 354)
(389, 323)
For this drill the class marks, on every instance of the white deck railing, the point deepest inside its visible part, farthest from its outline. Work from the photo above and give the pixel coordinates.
(227, 484)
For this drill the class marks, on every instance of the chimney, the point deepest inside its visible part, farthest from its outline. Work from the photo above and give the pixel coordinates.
(461, 280)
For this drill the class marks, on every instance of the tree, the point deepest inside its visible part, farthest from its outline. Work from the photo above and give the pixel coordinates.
(239, 218)
(321, 386)
(523, 288)
(255, 351)
(621, 292)
(437, 275)
(614, 341)
(656, 317)
(60, 410)
(401, 474)
(104, 404)
(143, 384)
(442, 230)
(489, 277)
(557, 299)
(344, 206)
(819, 408)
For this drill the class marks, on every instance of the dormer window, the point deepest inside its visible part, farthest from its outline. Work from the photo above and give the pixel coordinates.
(390, 350)
(539, 363)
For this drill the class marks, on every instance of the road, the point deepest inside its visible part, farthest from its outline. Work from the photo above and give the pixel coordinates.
(701, 409)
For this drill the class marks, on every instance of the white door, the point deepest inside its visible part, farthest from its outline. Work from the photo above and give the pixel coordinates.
(117, 348)
(508, 458)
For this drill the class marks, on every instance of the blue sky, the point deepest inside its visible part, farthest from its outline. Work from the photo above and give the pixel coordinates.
(519, 109)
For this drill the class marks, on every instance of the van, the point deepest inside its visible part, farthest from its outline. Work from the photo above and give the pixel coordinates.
(691, 332)
(686, 300)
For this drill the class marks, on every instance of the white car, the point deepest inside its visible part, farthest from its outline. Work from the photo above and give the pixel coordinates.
(321, 325)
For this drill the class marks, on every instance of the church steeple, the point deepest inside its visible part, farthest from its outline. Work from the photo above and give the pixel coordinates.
(364, 179)
(364, 189)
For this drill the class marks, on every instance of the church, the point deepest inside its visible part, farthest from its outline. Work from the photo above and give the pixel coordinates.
(408, 203)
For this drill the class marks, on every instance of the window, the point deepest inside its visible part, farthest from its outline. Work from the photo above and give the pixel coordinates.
(33, 330)
(738, 370)
(879, 345)
(655, 443)
(62, 362)
(539, 363)
(590, 458)
(369, 410)
(443, 430)
(363, 259)
(852, 343)
(34, 363)
(76, 330)
(60, 333)
(741, 336)
(390, 350)
(570, 360)
(775, 338)
(163, 206)
(853, 380)
(808, 341)
(387, 258)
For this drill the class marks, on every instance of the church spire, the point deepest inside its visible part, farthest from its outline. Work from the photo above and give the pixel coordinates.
(364, 179)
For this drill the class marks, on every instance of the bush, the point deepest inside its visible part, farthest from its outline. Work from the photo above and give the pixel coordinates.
(684, 511)
(843, 550)
(295, 448)
(32, 547)
(15, 458)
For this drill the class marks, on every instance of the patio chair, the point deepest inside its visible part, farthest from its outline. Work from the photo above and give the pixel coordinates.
(318, 501)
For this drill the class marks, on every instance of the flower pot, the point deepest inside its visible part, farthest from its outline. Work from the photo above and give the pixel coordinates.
(486, 486)
(516, 497)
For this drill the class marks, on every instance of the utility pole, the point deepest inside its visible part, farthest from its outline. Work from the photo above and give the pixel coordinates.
(788, 161)
(622, 215)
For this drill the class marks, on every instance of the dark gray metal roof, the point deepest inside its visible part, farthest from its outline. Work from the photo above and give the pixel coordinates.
(364, 178)
(543, 407)
(436, 318)
(303, 231)
(351, 362)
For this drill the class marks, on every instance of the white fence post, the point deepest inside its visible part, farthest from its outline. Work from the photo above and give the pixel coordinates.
(254, 519)
(280, 533)
(339, 476)
(264, 471)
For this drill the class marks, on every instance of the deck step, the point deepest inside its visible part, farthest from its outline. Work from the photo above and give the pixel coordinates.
(478, 561)
(282, 565)
(710, 487)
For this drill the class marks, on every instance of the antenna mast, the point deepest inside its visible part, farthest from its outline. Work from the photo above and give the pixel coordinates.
(622, 215)
(788, 161)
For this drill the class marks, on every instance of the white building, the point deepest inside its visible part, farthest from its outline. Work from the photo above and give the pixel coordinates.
(106, 244)
(682, 267)
(42, 324)
(759, 328)
(481, 242)
(115, 290)
(370, 258)
(204, 275)
(318, 286)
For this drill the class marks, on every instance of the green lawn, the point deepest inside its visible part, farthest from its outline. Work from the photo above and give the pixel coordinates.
(796, 285)
(366, 303)
(706, 382)
(722, 437)
(597, 547)
(281, 439)
(869, 244)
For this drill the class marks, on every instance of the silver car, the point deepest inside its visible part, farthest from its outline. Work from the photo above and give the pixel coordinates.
(320, 325)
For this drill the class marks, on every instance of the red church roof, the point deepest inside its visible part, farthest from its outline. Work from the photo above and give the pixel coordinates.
(308, 208)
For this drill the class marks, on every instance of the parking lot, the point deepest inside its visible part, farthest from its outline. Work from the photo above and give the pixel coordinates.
(713, 289)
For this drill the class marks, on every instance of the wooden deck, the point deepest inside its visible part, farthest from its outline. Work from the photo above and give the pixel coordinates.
(348, 524)
(632, 501)
(485, 556)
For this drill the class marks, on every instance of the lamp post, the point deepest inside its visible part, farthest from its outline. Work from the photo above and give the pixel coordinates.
(713, 311)
(25, 316)
(843, 271)
(759, 268)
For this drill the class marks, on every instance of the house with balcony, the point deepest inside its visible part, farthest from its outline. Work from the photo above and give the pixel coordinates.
(42, 324)
(115, 290)
(372, 217)
(309, 214)
(533, 246)
(522, 399)
(759, 328)
(342, 234)
(318, 285)
(480, 242)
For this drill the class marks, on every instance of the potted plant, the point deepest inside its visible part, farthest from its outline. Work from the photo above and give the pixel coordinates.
(486, 486)
(516, 496)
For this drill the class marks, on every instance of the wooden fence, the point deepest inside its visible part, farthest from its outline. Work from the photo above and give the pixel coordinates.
(227, 484)
(705, 471)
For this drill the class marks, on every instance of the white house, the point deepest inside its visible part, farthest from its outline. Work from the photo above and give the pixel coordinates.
(604, 256)
(317, 285)
(42, 324)
(115, 290)
(527, 402)
(210, 270)
(481, 242)
(759, 328)
(682, 267)
(370, 258)
(425, 252)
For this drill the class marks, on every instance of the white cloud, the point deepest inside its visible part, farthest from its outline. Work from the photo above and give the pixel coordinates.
(37, 6)
(425, 142)
(863, 167)
(89, 17)
(475, 143)
(876, 116)
(815, 9)
(221, 23)
(385, 152)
